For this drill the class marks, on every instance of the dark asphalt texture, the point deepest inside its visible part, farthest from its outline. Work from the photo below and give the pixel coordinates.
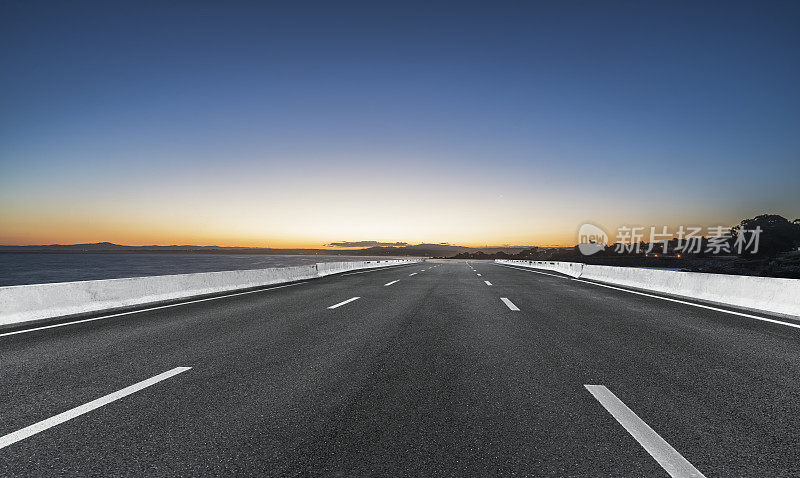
(431, 376)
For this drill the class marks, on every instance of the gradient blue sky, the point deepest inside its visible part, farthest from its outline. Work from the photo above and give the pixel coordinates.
(303, 123)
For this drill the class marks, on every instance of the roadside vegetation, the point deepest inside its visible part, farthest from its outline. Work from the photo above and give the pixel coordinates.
(778, 254)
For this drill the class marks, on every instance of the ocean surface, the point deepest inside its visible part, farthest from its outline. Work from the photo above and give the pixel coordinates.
(39, 268)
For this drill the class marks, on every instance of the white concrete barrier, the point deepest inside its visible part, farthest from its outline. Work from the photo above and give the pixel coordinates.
(328, 268)
(26, 303)
(768, 294)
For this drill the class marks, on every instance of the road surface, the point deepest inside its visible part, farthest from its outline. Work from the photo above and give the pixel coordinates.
(443, 368)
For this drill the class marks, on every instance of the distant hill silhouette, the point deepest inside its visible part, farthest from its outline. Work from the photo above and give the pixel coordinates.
(419, 250)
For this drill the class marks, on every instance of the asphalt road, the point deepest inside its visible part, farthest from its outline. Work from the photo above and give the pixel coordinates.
(434, 374)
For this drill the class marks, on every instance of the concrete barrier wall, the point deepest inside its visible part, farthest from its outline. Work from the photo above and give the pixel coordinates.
(768, 294)
(26, 303)
(328, 268)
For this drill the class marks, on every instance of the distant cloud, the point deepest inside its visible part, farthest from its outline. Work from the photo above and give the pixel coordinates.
(365, 244)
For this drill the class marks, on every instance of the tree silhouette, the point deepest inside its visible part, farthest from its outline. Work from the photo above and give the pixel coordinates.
(777, 234)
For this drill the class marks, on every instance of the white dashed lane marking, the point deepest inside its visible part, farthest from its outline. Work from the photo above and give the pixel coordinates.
(343, 302)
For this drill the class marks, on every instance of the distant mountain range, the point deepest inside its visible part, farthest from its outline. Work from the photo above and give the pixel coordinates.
(419, 250)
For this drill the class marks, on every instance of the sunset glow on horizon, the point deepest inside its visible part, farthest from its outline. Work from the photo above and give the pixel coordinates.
(276, 127)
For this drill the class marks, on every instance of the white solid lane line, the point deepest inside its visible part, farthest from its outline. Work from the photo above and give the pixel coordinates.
(535, 272)
(673, 462)
(43, 425)
(694, 304)
(412, 274)
(733, 312)
(376, 269)
(390, 283)
(487, 282)
(344, 302)
(509, 303)
(44, 327)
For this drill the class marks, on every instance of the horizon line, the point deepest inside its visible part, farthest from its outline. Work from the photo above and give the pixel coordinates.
(323, 247)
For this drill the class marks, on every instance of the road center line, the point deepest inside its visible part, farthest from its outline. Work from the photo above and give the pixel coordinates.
(479, 275)
(390, 283)
(487, 282)
(43, 425)
(509, 303)
(673, 462)
(343, 302)
(412, 274)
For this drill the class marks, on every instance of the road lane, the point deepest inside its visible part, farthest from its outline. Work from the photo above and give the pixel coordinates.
(93, 357)
(722, 389)
(432, 375)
